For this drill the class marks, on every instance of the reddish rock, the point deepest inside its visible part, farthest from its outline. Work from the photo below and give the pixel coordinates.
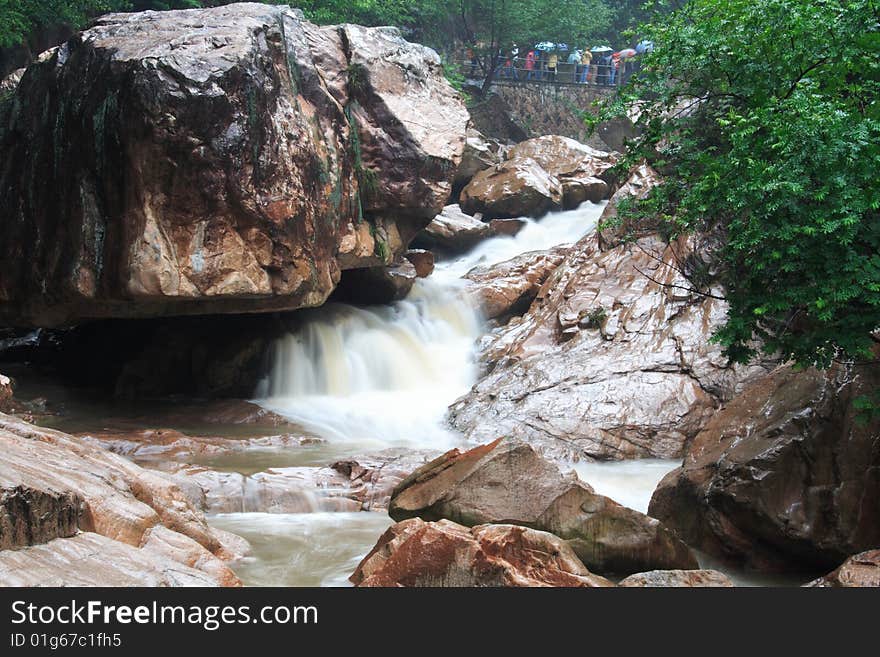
(422, 260)
(784, 476)
(53, 484)
(510, 483)
(582, 188)
(479, 153)
(563, 157)
(416, 553)
(507, 226)
(508, 288)
(454, 231)
(860, 570)
(517, 187)
(377, 285)
(222, 160)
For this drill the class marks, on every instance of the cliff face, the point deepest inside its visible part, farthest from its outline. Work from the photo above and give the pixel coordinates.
(220, 160)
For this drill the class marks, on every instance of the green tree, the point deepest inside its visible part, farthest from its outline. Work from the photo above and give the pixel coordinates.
(764, 116)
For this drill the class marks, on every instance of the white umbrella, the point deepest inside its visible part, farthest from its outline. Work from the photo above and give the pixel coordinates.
(600, 49)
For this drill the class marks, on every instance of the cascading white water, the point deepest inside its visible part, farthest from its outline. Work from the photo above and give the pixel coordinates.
(383, 376)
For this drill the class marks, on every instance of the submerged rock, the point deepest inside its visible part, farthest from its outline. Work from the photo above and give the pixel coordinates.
(418, 553)
(220, 160)
(512, 484)
(784, 476)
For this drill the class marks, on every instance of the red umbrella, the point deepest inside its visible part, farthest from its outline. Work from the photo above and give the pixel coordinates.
(628, 52)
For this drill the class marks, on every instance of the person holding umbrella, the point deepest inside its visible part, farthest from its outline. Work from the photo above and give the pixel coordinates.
(530, 65)
(602, 57)
(552, 62)
(586, 61)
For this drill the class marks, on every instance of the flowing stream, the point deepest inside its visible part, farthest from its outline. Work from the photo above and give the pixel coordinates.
(381, 378)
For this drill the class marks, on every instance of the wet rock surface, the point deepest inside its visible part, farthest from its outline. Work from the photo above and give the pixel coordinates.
(860, 570)
(510, 483)
(677, 579)
(515, 188)
(453, 231)
(231, 159)
(613, 360)
(418, 553)
(508, 288)
(54, 485)
(784, 476)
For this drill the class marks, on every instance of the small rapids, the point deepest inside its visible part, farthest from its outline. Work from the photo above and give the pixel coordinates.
(383, 376)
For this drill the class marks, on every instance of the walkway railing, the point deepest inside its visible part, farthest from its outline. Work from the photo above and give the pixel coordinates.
(601, 75)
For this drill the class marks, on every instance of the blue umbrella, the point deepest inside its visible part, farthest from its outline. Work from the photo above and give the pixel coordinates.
(645, 46)
(545, 45)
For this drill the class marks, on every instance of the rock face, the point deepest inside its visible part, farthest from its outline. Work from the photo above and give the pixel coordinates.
(90, 559)
(221, 160)
(784, 476)
(607, 363)
(677, 579)
(479, 153)
(416, 553)
(453, 231)
(53, 485)
(508, 288)
(860, 570)
(642, 180)
(511, 484)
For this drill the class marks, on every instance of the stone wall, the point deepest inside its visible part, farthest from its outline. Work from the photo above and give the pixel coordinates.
(548, 109)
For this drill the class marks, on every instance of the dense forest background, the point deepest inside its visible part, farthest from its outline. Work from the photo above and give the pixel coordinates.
(27, 27)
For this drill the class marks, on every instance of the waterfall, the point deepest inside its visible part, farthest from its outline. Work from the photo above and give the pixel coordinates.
(383, 376)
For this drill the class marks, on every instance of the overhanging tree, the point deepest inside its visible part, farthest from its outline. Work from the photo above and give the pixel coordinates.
(764, 116)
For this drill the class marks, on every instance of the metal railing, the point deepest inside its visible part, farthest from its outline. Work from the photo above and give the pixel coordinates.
(596, 74)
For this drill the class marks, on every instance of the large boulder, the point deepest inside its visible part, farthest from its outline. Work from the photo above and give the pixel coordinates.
(613, 360)
(418, 553)
(785, 476)
(510, 483)
(223, 160)
(518, 187)
(453, 231)
(508, 288)
(564, 157)
(860, 570)
(53, 485)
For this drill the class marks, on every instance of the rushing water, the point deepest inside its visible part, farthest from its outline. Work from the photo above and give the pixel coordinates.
(384, 376)
(380, 378)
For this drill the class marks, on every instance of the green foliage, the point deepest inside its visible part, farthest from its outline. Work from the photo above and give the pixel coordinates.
(764, 116)
(594, 318)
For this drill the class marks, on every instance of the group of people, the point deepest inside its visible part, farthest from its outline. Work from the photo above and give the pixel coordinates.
(600, 65)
